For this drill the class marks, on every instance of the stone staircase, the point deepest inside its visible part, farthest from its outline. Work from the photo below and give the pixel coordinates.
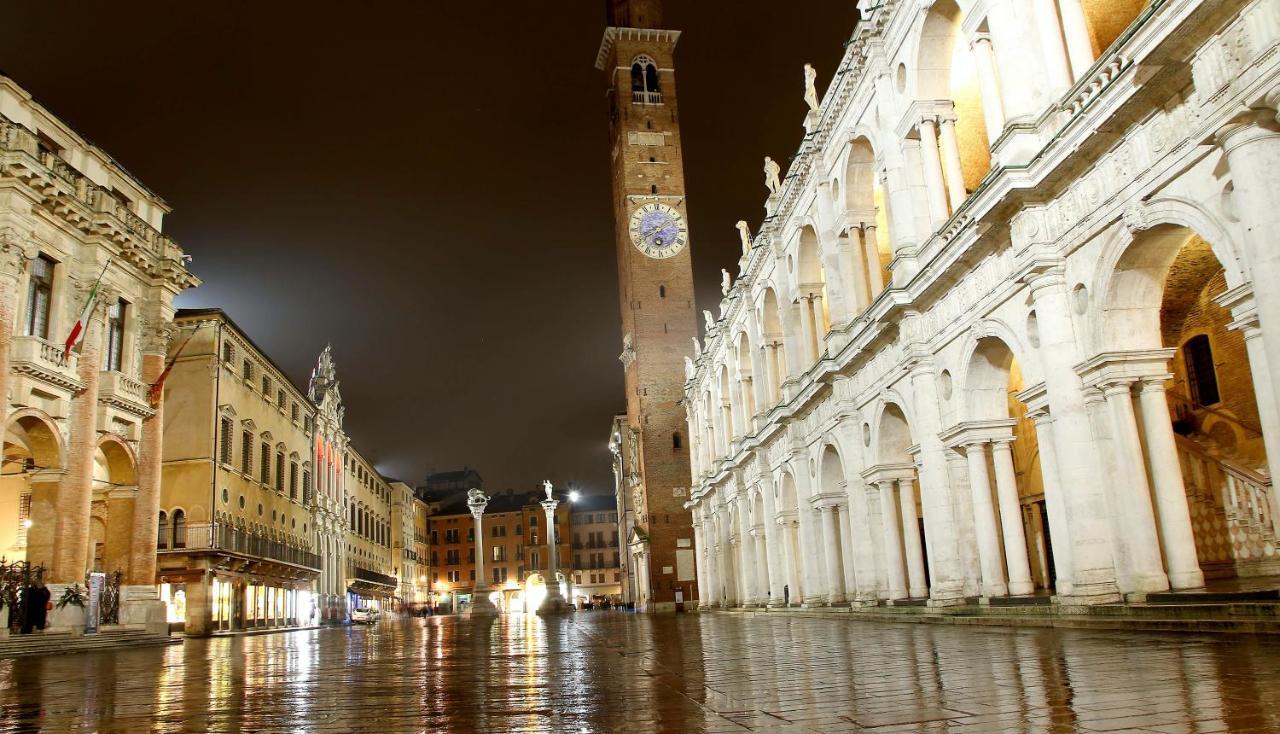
(58, 643)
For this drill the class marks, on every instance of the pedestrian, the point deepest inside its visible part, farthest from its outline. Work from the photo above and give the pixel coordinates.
(36, 601)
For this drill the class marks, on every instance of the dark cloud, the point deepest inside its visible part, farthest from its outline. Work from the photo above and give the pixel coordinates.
(425, 186)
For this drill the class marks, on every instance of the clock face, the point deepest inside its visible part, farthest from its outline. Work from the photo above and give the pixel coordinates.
(658, 231)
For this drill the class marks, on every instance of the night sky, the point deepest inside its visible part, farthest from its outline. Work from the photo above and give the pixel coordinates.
(425, 186)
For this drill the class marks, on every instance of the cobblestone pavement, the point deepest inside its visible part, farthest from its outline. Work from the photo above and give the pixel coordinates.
(608, 671)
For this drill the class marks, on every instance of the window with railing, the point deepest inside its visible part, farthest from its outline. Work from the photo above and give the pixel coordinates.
(645, 88)
(179, 529)
(39, 297)
(113, 353)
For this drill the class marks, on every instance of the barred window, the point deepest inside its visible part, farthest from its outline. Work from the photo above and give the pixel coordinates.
(293, 480)
(264, 464)
(246, 451)
(228, 352)
(224, 441)
(280, 471)
(246, 371)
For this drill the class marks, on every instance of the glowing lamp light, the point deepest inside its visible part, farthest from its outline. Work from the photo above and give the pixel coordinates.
(27, 523)
(574, 495)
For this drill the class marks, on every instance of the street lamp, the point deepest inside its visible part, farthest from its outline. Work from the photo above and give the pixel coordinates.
(574, 495)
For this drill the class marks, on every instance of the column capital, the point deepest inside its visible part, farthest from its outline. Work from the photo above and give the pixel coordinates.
(1045, 276)
(1252, 126)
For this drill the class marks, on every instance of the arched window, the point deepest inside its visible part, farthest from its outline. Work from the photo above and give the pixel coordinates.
(1202, 379)
(162, 532)
(179, 529)
(645, 88)
(676, 442)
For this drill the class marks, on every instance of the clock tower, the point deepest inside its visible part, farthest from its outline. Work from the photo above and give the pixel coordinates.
(655, 283)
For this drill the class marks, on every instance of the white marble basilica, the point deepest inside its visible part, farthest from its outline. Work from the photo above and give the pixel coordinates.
(1005, 330)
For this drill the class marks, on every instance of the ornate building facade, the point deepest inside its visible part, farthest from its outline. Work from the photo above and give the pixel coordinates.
(329, 511)
(998, 333)
(234, 528)
(82, 446)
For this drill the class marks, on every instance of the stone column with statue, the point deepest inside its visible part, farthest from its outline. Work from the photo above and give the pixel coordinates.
(554, 601)
(480, 605)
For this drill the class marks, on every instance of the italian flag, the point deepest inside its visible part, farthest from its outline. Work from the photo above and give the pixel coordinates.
(77, 331)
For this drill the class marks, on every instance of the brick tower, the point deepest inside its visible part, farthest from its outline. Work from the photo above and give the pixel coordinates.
(655, 278)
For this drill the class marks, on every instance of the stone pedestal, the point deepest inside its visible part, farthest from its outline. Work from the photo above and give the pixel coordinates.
(480, 605)
(69, 618)
(199, 621)
(141, 605)
(553, 602)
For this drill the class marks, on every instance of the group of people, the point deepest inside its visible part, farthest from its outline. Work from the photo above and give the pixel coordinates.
(36, 603)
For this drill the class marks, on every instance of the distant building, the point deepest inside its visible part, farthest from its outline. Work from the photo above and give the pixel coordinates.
(443, 484)
(515, 548)
(597, 558)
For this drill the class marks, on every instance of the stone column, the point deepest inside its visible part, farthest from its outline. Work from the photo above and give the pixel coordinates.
(861, 551)
(819, 325)
(1092, 563)
(709, 551)
(774, 545)
(850, 252)
(699, 561)
(846, 551)
(71, 536)
(1075, 28)
(1051, 45)
(771, 372)
(940, 522)
(988, 85)
(984, 521)
(932, 166)
(917, 586)
(788, 562)
(1015, 541)
(481, 606)
(140, 603)
(875, 272)
(1252, 148)
(763, 597)
(1055, 504)
(831, 544)
(746, 554)
(892, 541)
(12, 264)
(951, 163)
(554, 601)
(811, 561)
(807, 332)
(1176, 536)
(1134, 492)
(749, 396)
(1239, 301)
(199, 621)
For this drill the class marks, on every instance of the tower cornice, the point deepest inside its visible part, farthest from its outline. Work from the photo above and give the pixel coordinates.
(613, 34)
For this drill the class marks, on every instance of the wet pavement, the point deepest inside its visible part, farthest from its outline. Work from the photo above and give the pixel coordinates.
(608, 671)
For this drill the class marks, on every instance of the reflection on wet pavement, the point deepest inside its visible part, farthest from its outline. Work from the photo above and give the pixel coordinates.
(609, 671)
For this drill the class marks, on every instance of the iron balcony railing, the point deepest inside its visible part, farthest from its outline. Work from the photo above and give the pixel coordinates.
(364, 574)
(219, 537)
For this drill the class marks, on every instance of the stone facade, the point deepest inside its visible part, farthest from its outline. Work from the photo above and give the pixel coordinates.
(960, 357)
(656, 297)
(235, 529)
(597, 552)
(81, 480)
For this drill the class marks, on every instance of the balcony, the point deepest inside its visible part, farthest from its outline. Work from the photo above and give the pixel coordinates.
(373, 577)
(42, 360)
(124, 392)
(641, 97)
(215, 537)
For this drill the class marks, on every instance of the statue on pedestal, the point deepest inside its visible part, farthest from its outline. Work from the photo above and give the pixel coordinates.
(726, 282)
(771, 172)
(810, 87)
(744, 233)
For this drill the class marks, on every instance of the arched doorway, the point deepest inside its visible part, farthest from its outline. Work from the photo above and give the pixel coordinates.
(1010, 507)
(895, 481)
(835, 524)
(789, 523)
(115, 483)
(1201, 434)
(32, 471)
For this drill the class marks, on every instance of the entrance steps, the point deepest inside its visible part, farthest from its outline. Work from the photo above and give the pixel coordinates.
(1241, 617)
(56, 643)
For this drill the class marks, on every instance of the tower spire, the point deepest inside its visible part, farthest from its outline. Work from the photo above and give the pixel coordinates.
(635, 13)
